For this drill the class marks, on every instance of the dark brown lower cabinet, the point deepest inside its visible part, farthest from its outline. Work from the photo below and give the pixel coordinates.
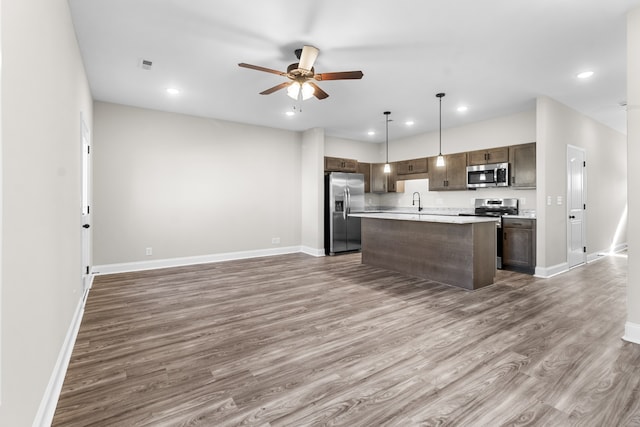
(519, 245)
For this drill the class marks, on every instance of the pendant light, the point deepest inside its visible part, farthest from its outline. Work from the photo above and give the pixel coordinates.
(440, 159)
(387, 166)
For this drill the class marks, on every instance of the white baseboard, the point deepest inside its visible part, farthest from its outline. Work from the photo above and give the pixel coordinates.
(201, 259)
(547, 272)
(312, 251)
(632, 332)
(49, 401)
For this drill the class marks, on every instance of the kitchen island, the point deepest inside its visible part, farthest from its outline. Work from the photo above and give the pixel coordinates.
(456, 250)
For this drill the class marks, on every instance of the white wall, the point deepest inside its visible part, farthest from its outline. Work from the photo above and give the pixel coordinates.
(633, 145)
(44, 90)
(513, 129)
(313, 191)
(187, 186)
(606, 174)
(367, 152)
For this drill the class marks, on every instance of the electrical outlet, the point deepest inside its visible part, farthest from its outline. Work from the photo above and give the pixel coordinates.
(149, 251)
(559, 200)
(275, 240)
(523, 201)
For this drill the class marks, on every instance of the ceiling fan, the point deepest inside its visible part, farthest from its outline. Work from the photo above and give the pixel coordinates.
(302, 76)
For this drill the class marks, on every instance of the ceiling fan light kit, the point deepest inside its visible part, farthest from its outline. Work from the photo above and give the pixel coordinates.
(302, 76)
(295, 90)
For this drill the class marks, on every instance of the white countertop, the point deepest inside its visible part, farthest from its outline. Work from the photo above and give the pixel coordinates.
(519, 216)
(449, 219)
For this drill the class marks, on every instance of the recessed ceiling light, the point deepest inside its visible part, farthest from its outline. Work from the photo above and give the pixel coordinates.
(462, 108)
(290, 113)
(173, 91)
(371, 133)
(409, 123)
(585, 74)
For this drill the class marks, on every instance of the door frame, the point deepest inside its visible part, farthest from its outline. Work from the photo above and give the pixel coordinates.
(583, 225)
(85, 197)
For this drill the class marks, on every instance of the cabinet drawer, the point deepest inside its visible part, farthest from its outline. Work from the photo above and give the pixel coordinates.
(517, 223)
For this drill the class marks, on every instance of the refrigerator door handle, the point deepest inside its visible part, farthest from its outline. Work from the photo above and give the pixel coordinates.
(346, 204)
(348, 201)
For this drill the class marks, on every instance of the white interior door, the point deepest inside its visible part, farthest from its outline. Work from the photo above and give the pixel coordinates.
(576, 206)
(86, 209)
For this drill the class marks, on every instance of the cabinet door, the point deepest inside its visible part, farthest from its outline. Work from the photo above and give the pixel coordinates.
(378, 178)
(394, 185)
(418, 165)
(437, 175)
(413, 166)
(404, 167)
(522, 159)
(477, 157)
(336, 164)
(349, 165)
(519, 244)
(456, 165)
(365, 169)
(498, 155)
(516, 247)
(451, 176)
(492, 155)
(385, 182)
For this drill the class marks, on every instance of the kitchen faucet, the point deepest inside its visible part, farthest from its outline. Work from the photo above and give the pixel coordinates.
(413, 202)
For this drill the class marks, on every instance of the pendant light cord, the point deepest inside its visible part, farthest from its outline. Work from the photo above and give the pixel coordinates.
(386, 113)
(440, 95)
(440, 126)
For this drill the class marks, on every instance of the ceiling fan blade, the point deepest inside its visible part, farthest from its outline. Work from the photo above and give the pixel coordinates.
(317, 92)
(341, 75)
(308, 57)
(275, 88)
(258, 68)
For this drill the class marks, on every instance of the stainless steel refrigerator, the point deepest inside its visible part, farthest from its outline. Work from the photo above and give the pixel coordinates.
(344, 194)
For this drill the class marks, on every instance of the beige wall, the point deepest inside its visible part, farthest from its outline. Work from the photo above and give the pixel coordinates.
(368, 152)
(312, 222)
(513, 129)
(606, 175)
(187, 186)
(44, 90)
(633, 145)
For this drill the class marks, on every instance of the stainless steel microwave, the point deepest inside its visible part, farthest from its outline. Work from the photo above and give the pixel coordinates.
(489, 175)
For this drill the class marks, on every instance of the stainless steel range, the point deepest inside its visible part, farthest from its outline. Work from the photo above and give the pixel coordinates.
(496, 208)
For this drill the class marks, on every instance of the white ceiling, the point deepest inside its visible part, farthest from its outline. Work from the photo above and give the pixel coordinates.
(496, 56)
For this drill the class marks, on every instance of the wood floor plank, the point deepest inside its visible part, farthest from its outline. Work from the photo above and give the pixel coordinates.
(295, 340)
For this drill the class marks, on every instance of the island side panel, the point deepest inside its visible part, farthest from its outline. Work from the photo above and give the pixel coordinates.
(484, 254)
(443, 252)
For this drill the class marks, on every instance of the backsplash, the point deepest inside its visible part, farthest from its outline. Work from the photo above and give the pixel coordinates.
(447, 202)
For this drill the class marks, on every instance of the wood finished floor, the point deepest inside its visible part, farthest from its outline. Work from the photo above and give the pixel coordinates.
(295, 340)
